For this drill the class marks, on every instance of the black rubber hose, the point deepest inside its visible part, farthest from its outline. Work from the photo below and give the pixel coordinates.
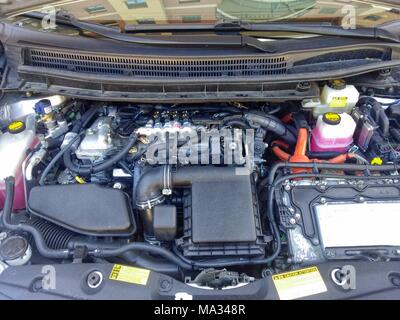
(86, 170)
(271, 123)
(140, 246)
(84, 120)
(236, 123)
(41, 246)
(323, 154)
(147, 261)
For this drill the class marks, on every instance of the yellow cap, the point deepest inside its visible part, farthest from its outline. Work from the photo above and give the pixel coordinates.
(331, 118)
(16, 127)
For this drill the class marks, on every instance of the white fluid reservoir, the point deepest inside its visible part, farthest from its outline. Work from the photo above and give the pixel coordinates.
(336, 96)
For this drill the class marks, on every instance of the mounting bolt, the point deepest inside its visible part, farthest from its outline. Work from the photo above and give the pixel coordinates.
(117, 185)
(94, 279)
(303, 86)
(3, 235)
(323, 200)
(292, 221)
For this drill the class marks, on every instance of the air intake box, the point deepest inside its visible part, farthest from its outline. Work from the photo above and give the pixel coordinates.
(221, 219)
(87, 209)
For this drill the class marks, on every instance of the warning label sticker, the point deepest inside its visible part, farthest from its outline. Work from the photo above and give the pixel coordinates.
(338, 102)
(299, 283)
(129, 274)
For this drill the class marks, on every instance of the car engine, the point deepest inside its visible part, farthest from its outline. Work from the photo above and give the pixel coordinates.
(255, 187)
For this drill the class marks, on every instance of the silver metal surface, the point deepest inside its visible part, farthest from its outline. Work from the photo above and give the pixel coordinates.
(359, 224)
(303, 251)
(97, 141)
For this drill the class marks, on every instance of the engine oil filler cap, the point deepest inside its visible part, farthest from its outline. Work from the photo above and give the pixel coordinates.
(331, 118)
(16, 127)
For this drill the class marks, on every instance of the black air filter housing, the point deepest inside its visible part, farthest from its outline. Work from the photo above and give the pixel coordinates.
(87, 209)
(221, 219)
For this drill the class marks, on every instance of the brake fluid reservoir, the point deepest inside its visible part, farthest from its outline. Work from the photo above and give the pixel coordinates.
(336, 96)
(333, 132)
(13, 148)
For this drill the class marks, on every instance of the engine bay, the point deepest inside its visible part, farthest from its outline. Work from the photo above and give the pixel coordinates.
(230, 192)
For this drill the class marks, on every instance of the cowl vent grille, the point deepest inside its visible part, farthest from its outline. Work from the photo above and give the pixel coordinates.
(149, 67)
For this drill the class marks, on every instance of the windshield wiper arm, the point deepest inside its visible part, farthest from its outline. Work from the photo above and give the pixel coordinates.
(115, 34)
(239, 26)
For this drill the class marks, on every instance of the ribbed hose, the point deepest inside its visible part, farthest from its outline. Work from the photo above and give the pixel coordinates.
(54, 236)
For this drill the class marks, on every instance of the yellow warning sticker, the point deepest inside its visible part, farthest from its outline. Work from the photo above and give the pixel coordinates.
(299, 283)
(338, 102)
(129, 274)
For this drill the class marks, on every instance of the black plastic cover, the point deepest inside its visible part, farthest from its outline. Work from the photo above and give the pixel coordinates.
(221, 219)
(223, 212)
(84, 208)
(165, 222)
